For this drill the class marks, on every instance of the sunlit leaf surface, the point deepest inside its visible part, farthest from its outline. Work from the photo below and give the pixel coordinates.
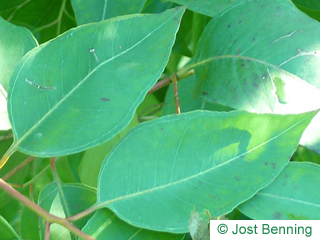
(198, 160)
(293, 195)
(91, 90)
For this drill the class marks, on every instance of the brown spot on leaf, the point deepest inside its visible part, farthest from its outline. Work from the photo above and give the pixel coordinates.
(204, 93)
(277, 215)
(105, 99)
(229, 25)
(237, 178)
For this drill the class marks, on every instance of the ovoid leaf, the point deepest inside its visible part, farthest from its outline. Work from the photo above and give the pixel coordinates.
(82, 88)
(267, 65)
(293, 195)
(98, 10)
(164, 169)
(104, 224)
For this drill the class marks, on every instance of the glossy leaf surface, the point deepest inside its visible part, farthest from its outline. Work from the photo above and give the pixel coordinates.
(268, 66)
(98, 10)
(293, 195)
(203, 160)
(92, 89)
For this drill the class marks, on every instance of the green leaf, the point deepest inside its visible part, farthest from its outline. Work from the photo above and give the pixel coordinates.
(46, 19)
(91, 89)
(310, 7)
(258, 63)
(156, 6)
(106, 225)
(7, 232)
(207, 7)
(292, 196)
(97, 10)
(14, 43)
(150, 108)
(198, 24)
(92, 159)
(184, 36)
(186, 100)
(304, 154)
(203, 160)
(310, 137)
(65, 200)
(67, 167)
(29, 220)
(21, 176)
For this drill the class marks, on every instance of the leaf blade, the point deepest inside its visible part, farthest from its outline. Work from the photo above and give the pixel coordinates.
(205, 168)
(247, 71)
(291, 196)
(93, 90)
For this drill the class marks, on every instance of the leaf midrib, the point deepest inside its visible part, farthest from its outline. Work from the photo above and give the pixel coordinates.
(195, 175)
(288, 199)
(81, 82)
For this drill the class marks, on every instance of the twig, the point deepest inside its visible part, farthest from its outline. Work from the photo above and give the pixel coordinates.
(173, 78)
(84, 213)
(7, 155)
(181, 74)
(18, 168)
(41, 212)
(47, 231)
(162, 83)
(6, 137)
